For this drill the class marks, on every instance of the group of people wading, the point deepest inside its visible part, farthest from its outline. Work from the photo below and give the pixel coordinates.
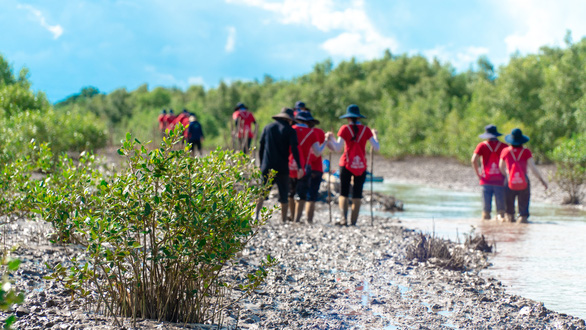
(503, 174)
(292, 146)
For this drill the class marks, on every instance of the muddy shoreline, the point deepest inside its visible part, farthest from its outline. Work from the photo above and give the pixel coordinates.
(328, 277)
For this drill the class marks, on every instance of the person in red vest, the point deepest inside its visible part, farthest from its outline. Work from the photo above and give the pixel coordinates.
(514, 161)
(353, 161)
(243, 120)
(491, 178)
(182, 118)
(170, 119)
(163, 121)
(308, 143)
(316, 165)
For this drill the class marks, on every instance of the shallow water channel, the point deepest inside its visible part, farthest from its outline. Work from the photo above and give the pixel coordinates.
(544, 260)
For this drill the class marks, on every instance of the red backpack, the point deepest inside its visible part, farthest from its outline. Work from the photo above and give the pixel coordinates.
(517, 177)
(492, 173)
(293, 165)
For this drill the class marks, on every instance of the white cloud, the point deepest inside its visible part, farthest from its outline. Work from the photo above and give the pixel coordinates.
(56, 30)
(195, 81)
(460, 58)
(231, 41)
(542, 22)
(166, 79)
(357, 34)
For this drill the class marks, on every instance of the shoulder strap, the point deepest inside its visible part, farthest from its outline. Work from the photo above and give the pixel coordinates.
(361, 134)
(350, 130)
(490, 148)
(516, 159)
(306, 136)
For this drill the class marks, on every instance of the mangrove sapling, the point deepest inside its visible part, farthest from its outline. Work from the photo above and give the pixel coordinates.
(159, 233)
(570, 175)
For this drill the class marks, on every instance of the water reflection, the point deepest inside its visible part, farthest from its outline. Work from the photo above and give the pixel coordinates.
(544, 260)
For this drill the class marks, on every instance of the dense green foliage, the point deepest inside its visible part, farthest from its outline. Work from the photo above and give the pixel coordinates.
(159, 233)
(420, 107)
(25, 115)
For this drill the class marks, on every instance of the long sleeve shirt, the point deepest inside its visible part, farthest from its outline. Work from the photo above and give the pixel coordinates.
(276, 140)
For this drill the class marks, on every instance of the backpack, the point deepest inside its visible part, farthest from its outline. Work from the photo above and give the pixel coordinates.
(517, 177)
(355, 155)
(293, 165)
(491, 171)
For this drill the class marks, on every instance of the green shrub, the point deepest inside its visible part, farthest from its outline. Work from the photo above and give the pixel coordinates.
(9, 295)
(63, 131)
(570, 159)
(158, 234)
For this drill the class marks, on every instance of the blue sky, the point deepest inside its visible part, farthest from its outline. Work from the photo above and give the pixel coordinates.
(109, 44)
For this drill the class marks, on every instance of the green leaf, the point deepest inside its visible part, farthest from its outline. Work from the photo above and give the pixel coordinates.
(13, 264)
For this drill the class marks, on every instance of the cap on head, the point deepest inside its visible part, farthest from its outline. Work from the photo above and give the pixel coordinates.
(299, 105)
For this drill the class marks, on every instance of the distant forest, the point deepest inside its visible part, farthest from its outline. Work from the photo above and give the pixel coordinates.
(420, 107)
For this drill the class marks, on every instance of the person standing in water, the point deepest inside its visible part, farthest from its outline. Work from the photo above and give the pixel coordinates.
(353, 137)
(514, 162)
(491, 178)
(277, 140)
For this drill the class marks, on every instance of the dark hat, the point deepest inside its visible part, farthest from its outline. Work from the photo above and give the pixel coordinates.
(185, 110)
(239, 106)
(170, 110)
(516, 138)
(286, 113)
(352, 112)
(299, 105)
(490, 132)
(164, 111)
(306, 116)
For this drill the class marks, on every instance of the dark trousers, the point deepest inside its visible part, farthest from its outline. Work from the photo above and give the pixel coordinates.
(522, 197)
(488, 191)
(195, 144)
(314, 183)
(282, 181)
(299, 187)
(345, 177)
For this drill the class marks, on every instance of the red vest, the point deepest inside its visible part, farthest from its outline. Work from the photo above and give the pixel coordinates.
(305, 138)
(354, 157)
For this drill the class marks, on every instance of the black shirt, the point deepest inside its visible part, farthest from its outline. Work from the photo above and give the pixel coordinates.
(275, 141)
(194, 131)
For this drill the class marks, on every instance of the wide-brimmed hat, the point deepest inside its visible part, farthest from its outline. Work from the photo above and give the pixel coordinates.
(306, 116)
(239, 106)
(286, 113)
(352, 111)
(299, 105)
(490, 132)
(516, 138)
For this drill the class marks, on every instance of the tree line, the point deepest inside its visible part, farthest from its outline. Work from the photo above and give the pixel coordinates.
(420, 107)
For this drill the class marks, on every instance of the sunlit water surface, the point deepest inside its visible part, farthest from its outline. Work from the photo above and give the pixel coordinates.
(544, 260)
